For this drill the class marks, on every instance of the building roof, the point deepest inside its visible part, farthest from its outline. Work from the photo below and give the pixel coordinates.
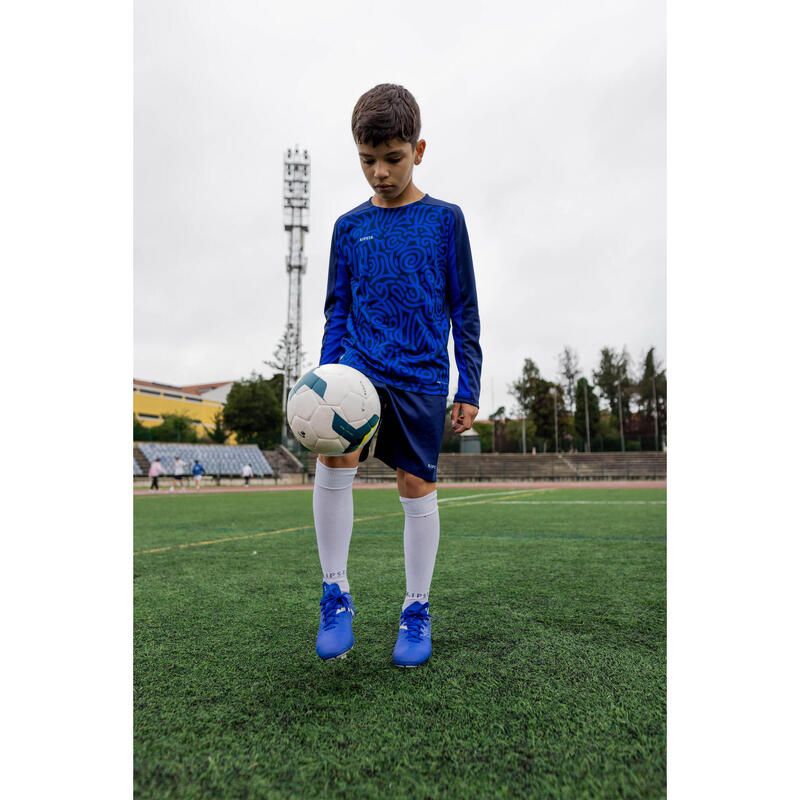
(201, 388)
(152, 385)
(197, 388)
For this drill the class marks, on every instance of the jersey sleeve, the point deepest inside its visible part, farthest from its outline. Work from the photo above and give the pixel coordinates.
(463, 301)
(337, 304)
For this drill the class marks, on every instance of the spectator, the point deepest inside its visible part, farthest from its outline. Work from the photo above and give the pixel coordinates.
(155, 470)
(198, 472)
(177, 474)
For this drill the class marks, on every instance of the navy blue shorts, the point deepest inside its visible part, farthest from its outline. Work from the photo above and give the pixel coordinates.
(410, 431)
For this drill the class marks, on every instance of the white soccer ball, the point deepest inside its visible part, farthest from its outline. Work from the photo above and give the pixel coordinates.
(333, 409)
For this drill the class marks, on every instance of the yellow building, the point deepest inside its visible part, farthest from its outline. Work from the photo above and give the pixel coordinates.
(200, 402)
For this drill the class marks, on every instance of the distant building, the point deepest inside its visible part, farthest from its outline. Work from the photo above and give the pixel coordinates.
(200, 402)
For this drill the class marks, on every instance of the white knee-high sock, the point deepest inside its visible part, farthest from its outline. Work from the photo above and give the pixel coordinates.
(333, 520)
(420, 542)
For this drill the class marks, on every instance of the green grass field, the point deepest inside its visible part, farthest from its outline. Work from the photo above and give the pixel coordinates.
(548, 675)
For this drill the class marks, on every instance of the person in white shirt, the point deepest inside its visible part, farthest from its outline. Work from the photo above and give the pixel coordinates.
(247, 473)
(177, 474)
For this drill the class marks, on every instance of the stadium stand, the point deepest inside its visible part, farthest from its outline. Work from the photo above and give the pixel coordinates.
(217, 459)
(283, 462)
(523, 467)
(137, 470)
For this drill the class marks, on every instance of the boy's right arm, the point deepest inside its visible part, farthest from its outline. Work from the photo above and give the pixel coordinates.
(337, 304)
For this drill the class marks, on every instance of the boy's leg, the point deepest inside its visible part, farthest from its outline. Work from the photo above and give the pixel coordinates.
(420, 543)
(333, 514)
(420, 534)
(333, 520)
(411, 431)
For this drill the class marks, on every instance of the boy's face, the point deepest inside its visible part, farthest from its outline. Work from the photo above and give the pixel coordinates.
(388, 168)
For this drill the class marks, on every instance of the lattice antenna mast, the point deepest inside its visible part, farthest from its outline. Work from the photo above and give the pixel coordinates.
(296, 193)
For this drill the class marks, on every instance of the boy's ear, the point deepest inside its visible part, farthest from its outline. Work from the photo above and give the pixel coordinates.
(419, 151)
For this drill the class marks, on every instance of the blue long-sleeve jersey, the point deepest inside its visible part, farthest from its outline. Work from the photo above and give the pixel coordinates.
(397, 278)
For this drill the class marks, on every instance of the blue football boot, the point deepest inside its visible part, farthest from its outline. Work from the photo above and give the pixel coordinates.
(335, 636)
(413, 646)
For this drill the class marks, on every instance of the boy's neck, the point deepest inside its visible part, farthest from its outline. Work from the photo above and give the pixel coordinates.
(409, 195)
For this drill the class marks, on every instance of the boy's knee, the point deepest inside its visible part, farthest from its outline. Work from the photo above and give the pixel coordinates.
(349, 460)
(413, 486)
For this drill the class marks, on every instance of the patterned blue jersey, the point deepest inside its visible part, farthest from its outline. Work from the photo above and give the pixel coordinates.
(397, 278)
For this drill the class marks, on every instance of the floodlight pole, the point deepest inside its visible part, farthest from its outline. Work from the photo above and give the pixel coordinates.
(619, 401)
(586, 414)
(296, 186)
(554, 390)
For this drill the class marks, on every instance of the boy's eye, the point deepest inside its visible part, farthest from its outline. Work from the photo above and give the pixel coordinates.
(394, 160)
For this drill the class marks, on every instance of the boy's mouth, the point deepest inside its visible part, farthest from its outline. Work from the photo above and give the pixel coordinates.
(382, 187)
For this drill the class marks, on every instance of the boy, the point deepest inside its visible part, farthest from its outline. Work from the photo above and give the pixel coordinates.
(400, 272)
(198, 471)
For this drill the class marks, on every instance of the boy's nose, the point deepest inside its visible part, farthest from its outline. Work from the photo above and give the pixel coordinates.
(380, 170)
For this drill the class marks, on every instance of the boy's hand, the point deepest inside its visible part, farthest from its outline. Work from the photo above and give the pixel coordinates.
(463, 416)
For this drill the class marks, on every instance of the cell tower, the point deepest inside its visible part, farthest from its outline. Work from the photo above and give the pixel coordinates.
(295, 220)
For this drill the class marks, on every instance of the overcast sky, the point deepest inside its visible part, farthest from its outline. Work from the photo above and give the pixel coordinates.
(544, 121)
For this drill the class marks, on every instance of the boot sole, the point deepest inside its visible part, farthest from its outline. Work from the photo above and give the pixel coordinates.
(341, 655)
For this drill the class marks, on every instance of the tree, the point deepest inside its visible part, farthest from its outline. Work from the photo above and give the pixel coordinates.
(175, 428)
(568, 371)
(140, 432)
(535, 400)
(283, 349)
(611, 376)
(253, 412)
(219, 433)
(652, 391)
(584, 390)
(498, 416)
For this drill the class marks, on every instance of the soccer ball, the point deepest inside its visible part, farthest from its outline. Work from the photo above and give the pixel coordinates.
(333, 409)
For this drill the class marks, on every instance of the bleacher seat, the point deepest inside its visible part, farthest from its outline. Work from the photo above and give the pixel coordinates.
(217, 459)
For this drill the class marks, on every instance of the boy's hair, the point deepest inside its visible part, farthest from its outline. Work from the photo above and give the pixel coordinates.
(385, 112)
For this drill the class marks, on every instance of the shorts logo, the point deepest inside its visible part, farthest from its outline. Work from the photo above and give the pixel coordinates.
(366, 238)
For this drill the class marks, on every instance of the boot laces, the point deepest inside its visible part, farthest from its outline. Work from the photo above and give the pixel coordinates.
(329, 608)
(415, 621)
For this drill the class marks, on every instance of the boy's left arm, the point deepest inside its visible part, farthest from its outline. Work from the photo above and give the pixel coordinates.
(463, 300)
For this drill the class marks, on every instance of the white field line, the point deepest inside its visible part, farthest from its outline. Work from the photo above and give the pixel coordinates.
(481, 495)
(577, 502)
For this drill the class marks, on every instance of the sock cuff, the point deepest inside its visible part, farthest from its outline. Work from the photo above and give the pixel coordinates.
(420, 506)
(334, 478)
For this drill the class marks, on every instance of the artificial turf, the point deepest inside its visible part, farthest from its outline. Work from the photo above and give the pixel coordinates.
(548, 675)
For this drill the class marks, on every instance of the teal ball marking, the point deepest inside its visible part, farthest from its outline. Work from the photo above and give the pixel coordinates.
(313, 381)
(350, 434)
